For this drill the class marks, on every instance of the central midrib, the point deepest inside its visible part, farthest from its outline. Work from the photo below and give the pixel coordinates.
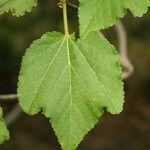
(69, 68)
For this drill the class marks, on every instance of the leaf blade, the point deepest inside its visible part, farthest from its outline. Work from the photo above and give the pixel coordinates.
(66, 84)
(4, 134)
(17, 7)
(95, 15)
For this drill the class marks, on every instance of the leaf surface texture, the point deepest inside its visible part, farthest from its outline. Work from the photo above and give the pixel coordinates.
(17, 7)
(101, 14)
(72, 82)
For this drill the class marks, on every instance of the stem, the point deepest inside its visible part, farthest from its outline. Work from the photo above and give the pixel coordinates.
(64, 7)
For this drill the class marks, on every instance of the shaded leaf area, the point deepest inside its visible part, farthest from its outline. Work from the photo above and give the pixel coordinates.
(17, 7)
(4, 134)
(73, 82)
(100, 14)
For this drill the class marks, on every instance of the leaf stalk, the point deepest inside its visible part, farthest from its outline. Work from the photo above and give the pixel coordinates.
(65, 18)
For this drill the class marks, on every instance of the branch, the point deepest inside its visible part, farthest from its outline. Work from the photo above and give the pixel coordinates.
(8, 97)
(13, 115)
(72, 5)
(122, 39)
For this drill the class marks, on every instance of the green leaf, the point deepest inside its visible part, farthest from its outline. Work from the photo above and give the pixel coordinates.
(100, 14)
(4, 134)
(72, 82)
(17, 7)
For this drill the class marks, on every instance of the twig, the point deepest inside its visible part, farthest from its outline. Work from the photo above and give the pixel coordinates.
(72, 5)
(8, 97)
(122, 39)
(13, 115)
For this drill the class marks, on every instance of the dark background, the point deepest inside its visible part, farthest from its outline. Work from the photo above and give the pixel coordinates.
(128, 131)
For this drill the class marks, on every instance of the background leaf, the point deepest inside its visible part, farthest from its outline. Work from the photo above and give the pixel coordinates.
(4, 134)
(17, 7)
(100, 14)
(72, 82)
